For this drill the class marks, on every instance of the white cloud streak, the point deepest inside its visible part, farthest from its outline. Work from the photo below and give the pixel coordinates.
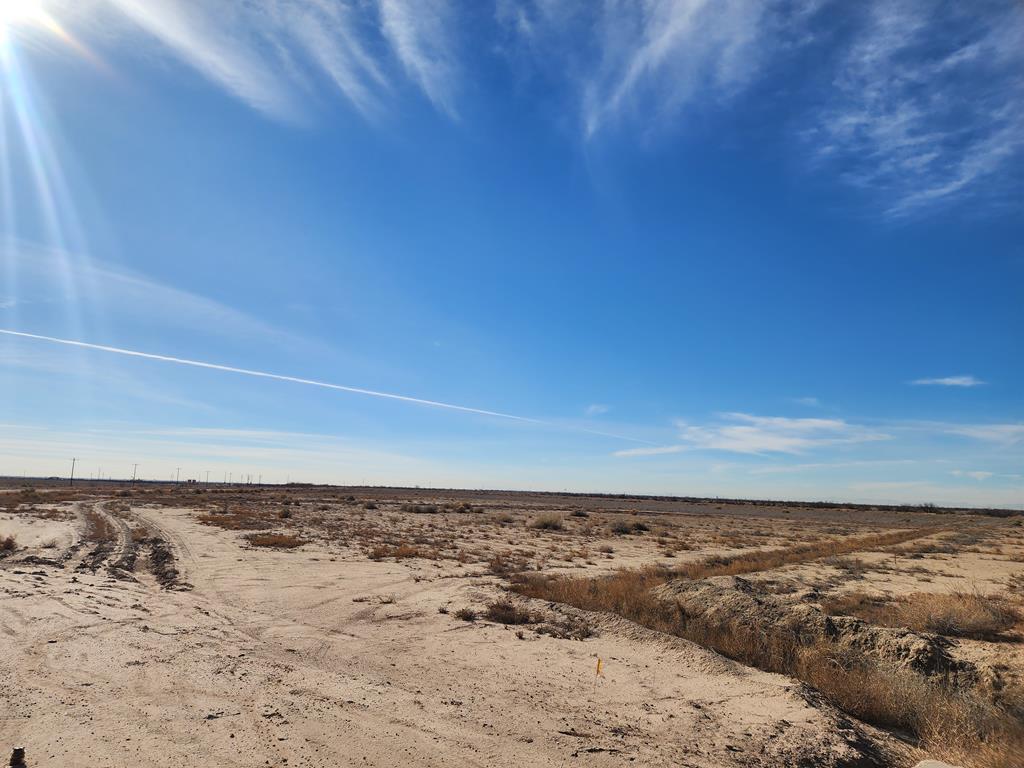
(749, 434)
(976, 474)
(949, 381)
(1003, 434)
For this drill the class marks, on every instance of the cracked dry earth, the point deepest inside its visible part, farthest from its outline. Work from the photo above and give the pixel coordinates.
(318, 657)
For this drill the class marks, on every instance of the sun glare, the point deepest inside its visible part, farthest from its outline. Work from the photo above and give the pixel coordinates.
(19, 12)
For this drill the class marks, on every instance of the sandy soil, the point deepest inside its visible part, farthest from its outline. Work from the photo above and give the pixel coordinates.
(320, 655)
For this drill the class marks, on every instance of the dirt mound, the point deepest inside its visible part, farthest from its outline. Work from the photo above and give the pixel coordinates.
(163, 564)
(735, 601)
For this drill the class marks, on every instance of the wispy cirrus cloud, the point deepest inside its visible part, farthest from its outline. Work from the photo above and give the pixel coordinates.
(418, 32)
(40, 277)
(976, 474)
(928, 102)
(273, 53)
(925, 103)
(949, 381)
(1004, 434)
(596, 409)
(657, 57)
(749, 434)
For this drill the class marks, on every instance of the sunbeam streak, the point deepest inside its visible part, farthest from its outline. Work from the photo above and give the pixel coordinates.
(308, 382)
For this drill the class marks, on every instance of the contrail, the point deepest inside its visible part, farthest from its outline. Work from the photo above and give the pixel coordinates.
(297, 380)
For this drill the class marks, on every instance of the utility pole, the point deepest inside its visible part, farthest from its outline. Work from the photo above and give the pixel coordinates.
(229, 477)
(207, 477)
(177, 476)
(261, 481)
(135, 468)
(72, 472)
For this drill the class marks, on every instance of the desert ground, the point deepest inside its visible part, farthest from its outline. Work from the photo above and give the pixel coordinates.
(185, 625)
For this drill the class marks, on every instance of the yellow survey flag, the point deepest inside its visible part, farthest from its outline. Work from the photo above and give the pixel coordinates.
(600, 664)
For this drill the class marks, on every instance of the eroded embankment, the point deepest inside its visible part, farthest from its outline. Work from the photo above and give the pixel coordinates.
(894, 678)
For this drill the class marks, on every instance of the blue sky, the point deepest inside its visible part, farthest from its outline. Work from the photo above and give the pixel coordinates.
(737, 248)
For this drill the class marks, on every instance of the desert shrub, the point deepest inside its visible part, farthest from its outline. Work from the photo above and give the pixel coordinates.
(624, 527)
(466, 614)
(369, 506)
(502, 565)
(8, 543)
(275, 540)
(547, 522)
(420, 509)
(507, 612)
(285, 514)
(580, 513)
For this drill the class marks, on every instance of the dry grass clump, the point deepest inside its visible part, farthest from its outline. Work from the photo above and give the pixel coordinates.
(503, 565)
(420, 509)
(400, 551)
(8, 544)
(624, 527)
(547, 522)
(275, 540)
(99, 529)
(506, 612)
(466, 614)
(960, 614)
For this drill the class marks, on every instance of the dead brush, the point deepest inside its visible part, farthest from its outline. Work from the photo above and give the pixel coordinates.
(8, 544)
(275, 540)
(547, 522)
(99, 529)
(504, 565)
(237, 519)
(420, 509)
(960, 614)
(400, 552)
(507, 612)
(624, 527)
